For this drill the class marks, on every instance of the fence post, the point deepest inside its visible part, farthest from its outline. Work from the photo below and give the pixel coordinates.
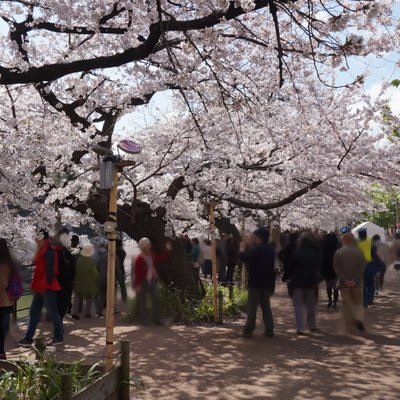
(220, 307)
(66, 387)
(40, 347)
(124, 375)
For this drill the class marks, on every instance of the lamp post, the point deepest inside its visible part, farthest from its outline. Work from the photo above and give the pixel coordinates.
(111, 165)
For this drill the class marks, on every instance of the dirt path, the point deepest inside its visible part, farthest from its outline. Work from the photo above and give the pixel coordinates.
(213, 363)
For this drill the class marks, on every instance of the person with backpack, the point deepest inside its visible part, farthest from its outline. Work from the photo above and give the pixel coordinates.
(304, 272)
(7, 297)
(45, 288)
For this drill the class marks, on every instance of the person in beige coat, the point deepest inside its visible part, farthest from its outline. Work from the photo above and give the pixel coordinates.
(6, 265)
(349, 265)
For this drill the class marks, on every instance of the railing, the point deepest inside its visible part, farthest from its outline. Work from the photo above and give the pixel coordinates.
(26, 293)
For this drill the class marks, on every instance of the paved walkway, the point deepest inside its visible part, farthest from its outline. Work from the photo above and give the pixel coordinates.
(181, 362)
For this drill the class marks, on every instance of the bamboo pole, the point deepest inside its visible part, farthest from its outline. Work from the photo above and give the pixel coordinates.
(214, 260)
(112, 237)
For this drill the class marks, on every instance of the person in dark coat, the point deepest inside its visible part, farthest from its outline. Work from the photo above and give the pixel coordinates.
(329, 246)
(285, 255)
(232, 258)
(304, 271)
(121, 255)
(260, 259)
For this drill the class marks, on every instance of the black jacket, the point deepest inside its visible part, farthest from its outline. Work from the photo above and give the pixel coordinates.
(261, 264)
(304, 269)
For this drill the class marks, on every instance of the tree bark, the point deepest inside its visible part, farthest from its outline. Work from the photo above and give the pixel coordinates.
(145, 222)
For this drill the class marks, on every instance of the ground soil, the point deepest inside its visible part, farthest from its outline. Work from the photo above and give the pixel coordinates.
(199, 362)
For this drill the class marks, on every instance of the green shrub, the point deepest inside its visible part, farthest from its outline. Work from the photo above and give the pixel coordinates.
(41, 380)
(177, 306)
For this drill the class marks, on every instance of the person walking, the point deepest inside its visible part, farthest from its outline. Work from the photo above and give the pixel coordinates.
(66, 274)
(102, 268)
(349, 265)
(86, 281)
(285, 256)
(304, 272)
(45, 288)
(195, 256)
(6, 305)
(329, 246)
(121, 255)
(260, 259)
(382, 253)
(207, 265)
(232, 259)
(144, 269)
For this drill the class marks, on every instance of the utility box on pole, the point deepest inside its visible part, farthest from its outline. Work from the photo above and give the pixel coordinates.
(106, 175)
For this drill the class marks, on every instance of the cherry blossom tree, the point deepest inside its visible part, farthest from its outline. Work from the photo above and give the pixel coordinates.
(261, 121)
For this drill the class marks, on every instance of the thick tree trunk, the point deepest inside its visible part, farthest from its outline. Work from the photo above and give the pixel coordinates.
(142, 221)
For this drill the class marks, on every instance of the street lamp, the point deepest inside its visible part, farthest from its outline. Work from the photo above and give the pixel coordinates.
(110, 165)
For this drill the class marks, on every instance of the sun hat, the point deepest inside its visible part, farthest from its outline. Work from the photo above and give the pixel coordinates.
(88, 250)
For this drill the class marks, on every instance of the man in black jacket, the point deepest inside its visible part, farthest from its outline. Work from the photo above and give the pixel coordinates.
(260, 259)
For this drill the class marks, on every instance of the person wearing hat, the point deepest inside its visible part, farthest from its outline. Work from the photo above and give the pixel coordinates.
(144, 269)
(259, 256)
(45, 287)
(86, 281)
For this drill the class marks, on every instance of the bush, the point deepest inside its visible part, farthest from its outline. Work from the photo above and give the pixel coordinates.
(41, 380)
(178, 307)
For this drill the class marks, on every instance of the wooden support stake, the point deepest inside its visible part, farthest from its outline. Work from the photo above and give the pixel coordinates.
(220, 307)
(66, 387)
(214, 260)
(112, 237)
(124, 377)
(40, 347)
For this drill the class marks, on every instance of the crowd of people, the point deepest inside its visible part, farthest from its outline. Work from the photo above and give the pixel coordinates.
(72, 279)
(353, 267)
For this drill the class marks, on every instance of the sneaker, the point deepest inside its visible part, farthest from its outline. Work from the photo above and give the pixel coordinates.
(329, 305)
(99, 314)
(24, 342)
(268, 334)
(55, 342)
(245, 335)
(3, 356)
(313, 329)
(75, 316)
(360, 326)
(300, 332)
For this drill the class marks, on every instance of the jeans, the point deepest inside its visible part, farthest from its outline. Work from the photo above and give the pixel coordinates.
(4, 326)
(305, 297)
(369, 293)
(49, 299)
(150, 288)
(262, 297)
(64, 300)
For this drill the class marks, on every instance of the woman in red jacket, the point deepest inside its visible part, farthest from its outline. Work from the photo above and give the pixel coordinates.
(45, 287)
(145, 272)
